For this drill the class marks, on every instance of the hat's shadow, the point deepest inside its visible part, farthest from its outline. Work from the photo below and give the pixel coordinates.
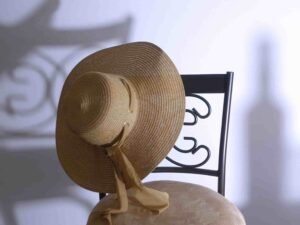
(31, 173)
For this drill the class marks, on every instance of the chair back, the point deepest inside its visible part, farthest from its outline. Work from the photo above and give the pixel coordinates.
(195, 85)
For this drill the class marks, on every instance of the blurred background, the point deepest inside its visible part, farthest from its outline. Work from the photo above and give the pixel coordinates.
(42, 40)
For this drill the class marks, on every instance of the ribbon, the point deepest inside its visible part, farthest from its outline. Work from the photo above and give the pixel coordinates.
(137, 194)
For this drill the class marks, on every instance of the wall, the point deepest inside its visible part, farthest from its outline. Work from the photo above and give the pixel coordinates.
(41, 40)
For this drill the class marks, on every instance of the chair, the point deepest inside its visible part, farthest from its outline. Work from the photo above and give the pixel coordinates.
(192, 204)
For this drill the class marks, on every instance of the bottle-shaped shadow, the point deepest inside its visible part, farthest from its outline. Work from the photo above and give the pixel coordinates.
(266, 146)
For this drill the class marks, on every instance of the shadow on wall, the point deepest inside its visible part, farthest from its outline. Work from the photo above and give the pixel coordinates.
(30, 173)
(266, 153)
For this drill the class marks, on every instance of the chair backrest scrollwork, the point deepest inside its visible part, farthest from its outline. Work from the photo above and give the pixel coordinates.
(205, 84)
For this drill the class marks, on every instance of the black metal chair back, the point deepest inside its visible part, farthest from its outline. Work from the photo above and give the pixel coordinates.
(204, 84)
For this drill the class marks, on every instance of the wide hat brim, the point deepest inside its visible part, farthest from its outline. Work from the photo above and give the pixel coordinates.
(161, 103)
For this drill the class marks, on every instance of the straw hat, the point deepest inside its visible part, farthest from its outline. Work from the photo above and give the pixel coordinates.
(133, 87)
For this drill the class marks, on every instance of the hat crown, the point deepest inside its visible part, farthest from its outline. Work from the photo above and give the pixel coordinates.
(98, 105)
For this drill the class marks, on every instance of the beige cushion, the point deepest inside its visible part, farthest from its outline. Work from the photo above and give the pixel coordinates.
(190, 204)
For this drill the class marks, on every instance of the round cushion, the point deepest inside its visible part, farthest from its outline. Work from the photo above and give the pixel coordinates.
(190, 204)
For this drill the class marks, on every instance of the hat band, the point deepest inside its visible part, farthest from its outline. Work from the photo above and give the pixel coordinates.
(129, 91)
(121, 136)
(137, 194)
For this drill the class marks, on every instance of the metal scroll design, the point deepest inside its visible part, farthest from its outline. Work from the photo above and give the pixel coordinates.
(195, 148)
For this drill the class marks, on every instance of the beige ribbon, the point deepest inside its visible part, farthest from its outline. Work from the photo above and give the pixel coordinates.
(137, 194)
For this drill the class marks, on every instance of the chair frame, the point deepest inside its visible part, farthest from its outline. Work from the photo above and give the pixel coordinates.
(205, 84)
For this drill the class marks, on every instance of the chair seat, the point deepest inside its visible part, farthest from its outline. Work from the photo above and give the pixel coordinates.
(190, 204)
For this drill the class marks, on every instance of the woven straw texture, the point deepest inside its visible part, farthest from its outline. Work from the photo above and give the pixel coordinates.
(161, 105)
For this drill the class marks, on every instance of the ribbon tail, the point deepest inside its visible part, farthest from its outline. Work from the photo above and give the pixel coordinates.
(121, 206)
(153, 200)
(126, 177)
(121, 197)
